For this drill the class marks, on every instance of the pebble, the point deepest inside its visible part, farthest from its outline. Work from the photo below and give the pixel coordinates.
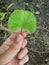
(27, 4)
(37, 6)
(37, 12)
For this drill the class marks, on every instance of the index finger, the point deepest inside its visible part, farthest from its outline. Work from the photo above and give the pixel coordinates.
(8, 42)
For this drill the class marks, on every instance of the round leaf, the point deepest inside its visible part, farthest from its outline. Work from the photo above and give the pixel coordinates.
(21, 19)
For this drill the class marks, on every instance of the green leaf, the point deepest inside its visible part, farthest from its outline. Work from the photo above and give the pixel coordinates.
(2, 15)
(21, 19)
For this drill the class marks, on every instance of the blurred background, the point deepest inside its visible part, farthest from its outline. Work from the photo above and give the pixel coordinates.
(38, 43)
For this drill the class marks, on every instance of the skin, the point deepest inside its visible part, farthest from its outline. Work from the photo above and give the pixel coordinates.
(14, 50)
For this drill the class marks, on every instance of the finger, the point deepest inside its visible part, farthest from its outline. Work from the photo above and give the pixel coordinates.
(22, 53)
(14, 61)
(9, 63)
(24, 43)
(8, 43)
(11, 52)
(24, 33)
(24, 60)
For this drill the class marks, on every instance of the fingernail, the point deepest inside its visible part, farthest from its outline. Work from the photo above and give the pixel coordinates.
(24, 33)
(25, 41)
(19, 39)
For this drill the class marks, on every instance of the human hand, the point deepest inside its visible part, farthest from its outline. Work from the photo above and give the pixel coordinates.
(13, 50)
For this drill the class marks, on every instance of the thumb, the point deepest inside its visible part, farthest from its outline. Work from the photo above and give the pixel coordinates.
(11, 52)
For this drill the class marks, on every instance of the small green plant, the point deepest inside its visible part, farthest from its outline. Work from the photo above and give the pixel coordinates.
(2, 15)
(21, 19)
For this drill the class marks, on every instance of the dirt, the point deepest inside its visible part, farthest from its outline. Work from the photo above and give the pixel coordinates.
(38, 43)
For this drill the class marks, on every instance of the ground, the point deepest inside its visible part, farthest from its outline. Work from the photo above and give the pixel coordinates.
(38, 43)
